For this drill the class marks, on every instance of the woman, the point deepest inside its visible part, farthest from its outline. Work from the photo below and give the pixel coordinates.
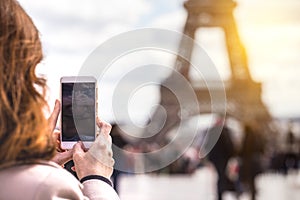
(27, 145)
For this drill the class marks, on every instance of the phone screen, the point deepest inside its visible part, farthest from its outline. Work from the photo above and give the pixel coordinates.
(78, 111)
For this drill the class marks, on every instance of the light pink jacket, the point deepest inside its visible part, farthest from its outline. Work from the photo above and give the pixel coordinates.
(47, 180)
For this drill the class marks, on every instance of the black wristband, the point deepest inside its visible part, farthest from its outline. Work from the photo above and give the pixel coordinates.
(98, 177)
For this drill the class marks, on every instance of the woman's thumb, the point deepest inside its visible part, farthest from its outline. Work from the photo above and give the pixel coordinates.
(78, 151)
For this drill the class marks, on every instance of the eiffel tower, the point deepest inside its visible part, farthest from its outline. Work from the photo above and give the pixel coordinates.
(243, 94)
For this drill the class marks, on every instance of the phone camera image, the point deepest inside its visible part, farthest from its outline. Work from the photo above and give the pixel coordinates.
(78, 111)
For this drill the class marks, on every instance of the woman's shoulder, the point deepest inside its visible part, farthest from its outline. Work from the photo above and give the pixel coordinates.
(36, 171)
(52, 170)
(40, 180)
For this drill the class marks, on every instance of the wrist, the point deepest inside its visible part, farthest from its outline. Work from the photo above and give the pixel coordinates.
(94, 170)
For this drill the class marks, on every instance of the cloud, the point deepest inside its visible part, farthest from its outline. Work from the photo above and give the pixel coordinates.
(173, 20)
(71, 29)
(63, 23)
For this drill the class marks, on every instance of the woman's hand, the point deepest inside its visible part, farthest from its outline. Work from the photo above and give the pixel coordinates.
(62, 156)
(98, 159)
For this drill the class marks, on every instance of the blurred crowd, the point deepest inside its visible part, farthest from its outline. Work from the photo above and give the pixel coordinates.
(237, 162)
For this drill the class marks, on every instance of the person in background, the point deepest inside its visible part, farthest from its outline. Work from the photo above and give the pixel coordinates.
(220, 154)
(27, 143)
(119, 147)
(251, 155)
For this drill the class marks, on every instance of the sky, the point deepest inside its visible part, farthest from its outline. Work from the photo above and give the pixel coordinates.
(71, 29)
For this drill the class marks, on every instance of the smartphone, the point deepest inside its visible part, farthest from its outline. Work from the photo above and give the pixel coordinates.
(78, 110)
